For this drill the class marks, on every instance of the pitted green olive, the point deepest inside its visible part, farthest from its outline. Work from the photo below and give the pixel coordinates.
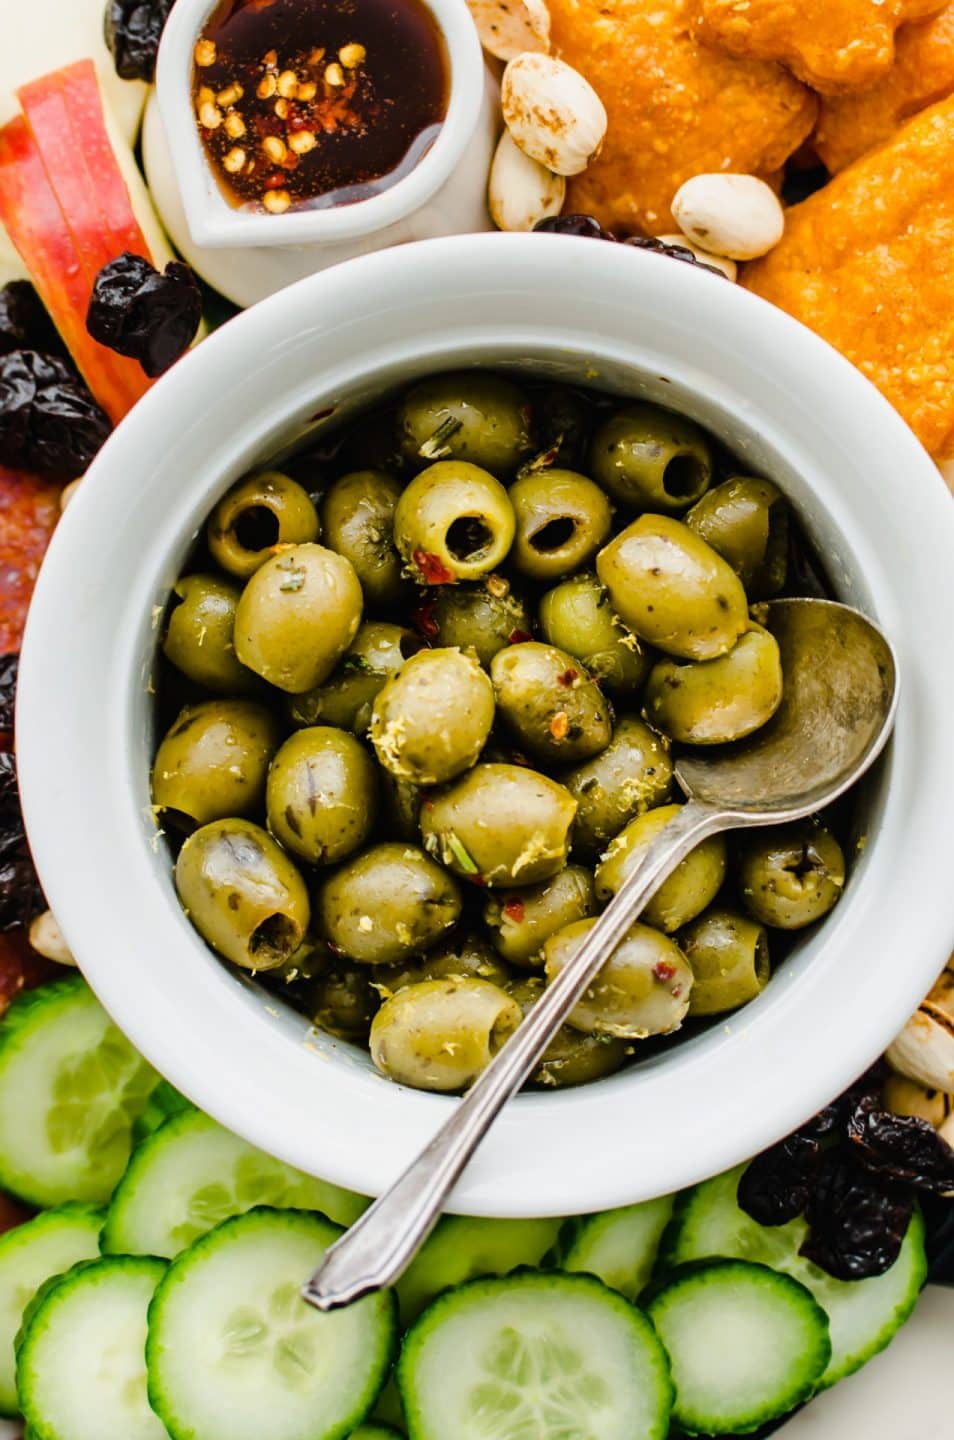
(472, 416)
(213, 761)
(321, 797)
(746, 522)
(343, 1002)
(461, 956)
(357, 521)
(651, 459)
(257, 514)
(729, 958)
(346, 698)
(242, 894)
(199, 638)
(431, 721)
(692, 886)
(297, 616)
(500, 825)
(562, 520)
(387, 904)
(643, 989)
(672, 589)
(547, 700)
(633, 774)
(483, 617)
(440, 1034)
(571, 1058)
(453, 522)
(708, 702)
(561, 427)
(520, 922)
(576, 616)
(791, 876)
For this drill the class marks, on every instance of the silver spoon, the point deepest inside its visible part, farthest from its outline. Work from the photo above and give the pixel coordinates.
(836, 715)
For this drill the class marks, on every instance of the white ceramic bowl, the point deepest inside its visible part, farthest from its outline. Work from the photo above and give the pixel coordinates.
(575, 309)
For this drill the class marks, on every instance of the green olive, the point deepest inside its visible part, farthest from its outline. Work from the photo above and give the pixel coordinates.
(547, 700)
(791, 876)
(576, 616)
(343, 1002)
(729, 958)
(562, 520)
(692, 886)
(521, 922)
(387, 904)
(461, 955)
(500, 825)
(561, 426)
(746, 522)
(453, 522)
(242, 894)
(643, 988)
(440, 1034)
(432, 720)
(466, 416)
(672, 589)
(651, 459)
(483, 618)
(633, 774)
(199, 638)
(347, 697)
(708, 702)
(297, 616)
(571, 1058)
(213, 761)
(311, 959)
(321, 795)
(257, 514)
(369, 442)
(357, 519)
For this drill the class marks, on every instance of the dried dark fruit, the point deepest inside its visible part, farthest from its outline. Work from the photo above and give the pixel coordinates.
(50, 424)
(675, 252)
(133, 29)
(149, 315)
(901, 1147)
(9, 666)
(24, 322)
(857, 1221)
(776, 1186)
(586, 226)
(939, 1227)
(20, 895)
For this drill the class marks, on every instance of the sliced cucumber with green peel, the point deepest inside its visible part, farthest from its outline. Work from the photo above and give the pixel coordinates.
(543, 1356)
(746, 1345)
(375, 1432)
(618, 1246)
(234, 1353)
(191, 1174)
(81, 1370)
(864, 1315)
(71, 1086)
(164, 1102)
(47, 1245)
(463, 1247)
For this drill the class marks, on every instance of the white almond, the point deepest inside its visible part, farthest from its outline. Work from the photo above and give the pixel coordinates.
(46, 938)
(734, 215)
(553, 114)
(718, 262)
(924, 1050)
(521, 191)
(511, 27)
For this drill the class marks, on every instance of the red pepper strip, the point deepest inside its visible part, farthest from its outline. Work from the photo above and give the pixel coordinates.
(38, 228)
(29, 510)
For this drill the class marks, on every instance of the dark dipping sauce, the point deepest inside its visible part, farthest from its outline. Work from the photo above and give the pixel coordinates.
(308, 104)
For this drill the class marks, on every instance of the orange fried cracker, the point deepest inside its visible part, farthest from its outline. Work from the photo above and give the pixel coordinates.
(833, 45)
(868, 262)
(675, 108)
(922, 73)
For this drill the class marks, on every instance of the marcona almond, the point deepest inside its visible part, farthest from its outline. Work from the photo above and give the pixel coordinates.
(906, 1097)
(738, 216)
(521, 191)
(924, 1050)
(552, 112)
(508, 28)
(46, 938)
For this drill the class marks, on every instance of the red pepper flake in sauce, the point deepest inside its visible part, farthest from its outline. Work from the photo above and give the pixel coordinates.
(515, 910)
(519, 637)
(432, 569)
(664, 970)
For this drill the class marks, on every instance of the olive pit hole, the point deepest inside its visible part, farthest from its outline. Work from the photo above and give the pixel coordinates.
(273, 941)
(467, 537)
(554, 534)
(256, 528)
(683, 478)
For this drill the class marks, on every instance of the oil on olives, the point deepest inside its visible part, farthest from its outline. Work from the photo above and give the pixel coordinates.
(729, 957)
(440, 1034)
(562, 520)
(521, 922)
(651, 459)
(572, 1057)
(256, 515)
(693, 884)
(386, 904)
(576, 616)
(483, 617)
(643, 988)
(453, 522)
(200, 635)
(213, 761)
(710, 702)
(321, 794)
(347, 697)
(481, 418)
(357, 521)
(549, 703)
(432, 720)
(747, 522)
(633, 774)
(791, 876)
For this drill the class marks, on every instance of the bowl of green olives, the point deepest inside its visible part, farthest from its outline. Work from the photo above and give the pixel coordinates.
(354, 683)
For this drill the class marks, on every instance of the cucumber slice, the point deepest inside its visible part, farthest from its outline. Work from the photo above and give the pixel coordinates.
(190, 1174)
(81, 1371)
(534, 1357)
(375, 1432)
(864, 1315)
(618, 1246)
(46, 1245)
(164, 1102)
(70, 1087)
(746, 1345)
(463, 1247)
(234, 1352)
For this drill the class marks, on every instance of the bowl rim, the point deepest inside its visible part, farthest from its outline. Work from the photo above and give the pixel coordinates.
(208, 1039)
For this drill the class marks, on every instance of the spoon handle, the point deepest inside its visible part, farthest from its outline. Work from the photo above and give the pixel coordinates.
(383, 1242)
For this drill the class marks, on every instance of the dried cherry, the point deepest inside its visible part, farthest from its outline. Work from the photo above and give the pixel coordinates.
(586, 226)
(24, 322)
(20, 894)
(149, 315)
(857, 1221)
(673, 250)
(50, 424)
(9, 666)
(901, 1147)
(133, 29)
(776, 1186)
